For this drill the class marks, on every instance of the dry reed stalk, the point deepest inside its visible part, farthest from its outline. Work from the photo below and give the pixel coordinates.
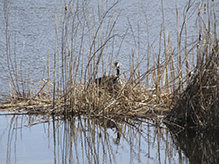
(171, 66)
(179, 60)
(186, 48)
(165, 52)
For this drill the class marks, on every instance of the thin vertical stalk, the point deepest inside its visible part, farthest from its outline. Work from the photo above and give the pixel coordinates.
(138, 52)
(173, 78)
(158, 76)
(166, 82)
(48, 69)
(56, 49)
(186, 49)
(179, 60)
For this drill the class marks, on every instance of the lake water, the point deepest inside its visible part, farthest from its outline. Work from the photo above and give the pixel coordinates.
(41, 139)
(31, 139)
(31, 30)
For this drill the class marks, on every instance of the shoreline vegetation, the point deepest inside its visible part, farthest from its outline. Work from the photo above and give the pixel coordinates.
(185, 92)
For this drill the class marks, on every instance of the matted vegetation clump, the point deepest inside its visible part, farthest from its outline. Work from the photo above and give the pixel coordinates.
(199, 104)
(124, 100)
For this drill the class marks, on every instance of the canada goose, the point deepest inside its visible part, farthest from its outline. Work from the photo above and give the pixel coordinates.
(109, 81)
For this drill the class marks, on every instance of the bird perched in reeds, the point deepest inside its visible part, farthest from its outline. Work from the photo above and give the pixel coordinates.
(109, 81)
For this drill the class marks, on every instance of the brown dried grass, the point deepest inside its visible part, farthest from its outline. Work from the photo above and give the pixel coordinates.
(199, 103)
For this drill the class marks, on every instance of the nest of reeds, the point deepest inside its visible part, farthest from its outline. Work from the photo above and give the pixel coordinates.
(123, 100)
(198, 106)
(119, 100)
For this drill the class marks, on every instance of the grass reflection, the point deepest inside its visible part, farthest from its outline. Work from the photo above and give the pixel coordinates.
(199, 146)
(76, 139)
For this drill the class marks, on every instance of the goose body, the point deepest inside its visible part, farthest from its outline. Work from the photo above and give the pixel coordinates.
(109, 81)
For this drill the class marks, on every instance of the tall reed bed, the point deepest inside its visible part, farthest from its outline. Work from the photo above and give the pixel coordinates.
(198, 105)
(87, 43)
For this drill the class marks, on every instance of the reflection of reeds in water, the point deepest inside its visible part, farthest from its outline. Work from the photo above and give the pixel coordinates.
(97, 144)
(197, 146)
(92, 140)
